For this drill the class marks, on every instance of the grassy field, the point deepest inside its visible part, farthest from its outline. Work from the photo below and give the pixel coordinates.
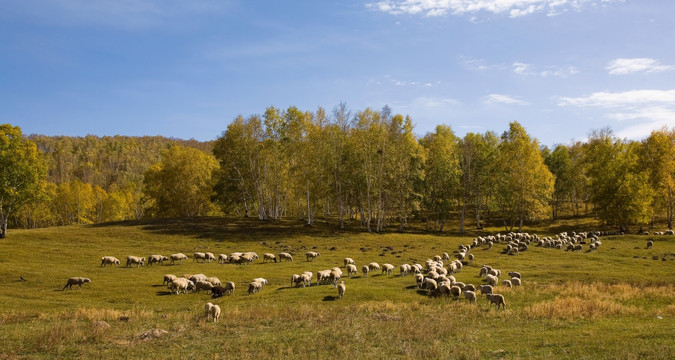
(614, 303)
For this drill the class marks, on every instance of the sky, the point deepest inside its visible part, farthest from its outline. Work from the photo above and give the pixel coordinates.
(186, 69)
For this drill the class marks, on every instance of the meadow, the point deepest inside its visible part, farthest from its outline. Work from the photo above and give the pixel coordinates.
(614, 303)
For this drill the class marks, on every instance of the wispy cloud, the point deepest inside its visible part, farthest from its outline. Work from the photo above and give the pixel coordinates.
(512, 8)
(503, 99)
(621, 99)
(647, 109)
(521, 68)
(626, 66)
(397, 82)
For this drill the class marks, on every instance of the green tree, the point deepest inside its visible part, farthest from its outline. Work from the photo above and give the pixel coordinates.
(23, 173)
(442, 174)
(181, 185)
(525, 184)
(559, 163)
(659, 160)
(478, 159)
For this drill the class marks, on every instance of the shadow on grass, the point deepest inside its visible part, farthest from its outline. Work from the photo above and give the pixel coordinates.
(330, 298)
(164, 293)
(410, 287)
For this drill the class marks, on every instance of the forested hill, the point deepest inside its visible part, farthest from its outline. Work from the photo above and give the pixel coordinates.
(108, 161)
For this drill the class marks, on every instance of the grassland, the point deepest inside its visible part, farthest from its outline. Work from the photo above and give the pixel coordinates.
(615, 303)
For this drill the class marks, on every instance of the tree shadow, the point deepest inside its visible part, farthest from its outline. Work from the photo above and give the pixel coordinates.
(330, 298)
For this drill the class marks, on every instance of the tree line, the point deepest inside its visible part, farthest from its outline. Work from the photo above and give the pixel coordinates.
(365, 167)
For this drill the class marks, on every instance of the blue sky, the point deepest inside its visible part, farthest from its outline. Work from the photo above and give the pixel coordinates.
(187, 68)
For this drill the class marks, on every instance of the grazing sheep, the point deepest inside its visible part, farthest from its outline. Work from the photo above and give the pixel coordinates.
(387, 269)
(269, 257)
(312, 255)
(254, 287)
(351, 270)
(650, 244)
(495, 272)
(76, 281)
(349, 261)
(234, 259)
(177, 257)
(199, 256)
(321, 276)
(578, 247)
(295, 279)
(442, 290)
(305, 279)
(507, 283)
(217, 292)
(209, 257)
(419, 278)
(496, 299)
(285, 256)
(405, 269)
(341, 289)
(203, 285)
(430, 284)
(485, 289)
(229, 288)
(514, 274)
(214, 280)
(222, 258)
(263, 281)
(169, 278)
(469, 287)
(515, 281)
(364, 270)
(470, 295)
(109, 260)
(455, 291)
(248, 258)
(198, 277)
(335, 275)
(373, 266)
(160, 259)
(135, 260)
(492, 280)
(213, 311)
(181, 284)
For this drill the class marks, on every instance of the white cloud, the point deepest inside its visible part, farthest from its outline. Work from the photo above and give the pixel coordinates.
(644, 110)
(529, 70)
(504, 99)
(514, 8)
(621, 99)
(627, 66)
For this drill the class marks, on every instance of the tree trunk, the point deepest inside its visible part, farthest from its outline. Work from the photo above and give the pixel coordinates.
(461, 221)
(3, 226)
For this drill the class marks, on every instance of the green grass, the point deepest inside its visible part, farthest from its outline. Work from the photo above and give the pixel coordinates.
(589, 305)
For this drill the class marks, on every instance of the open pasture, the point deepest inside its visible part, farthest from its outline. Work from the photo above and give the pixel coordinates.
(616, 303)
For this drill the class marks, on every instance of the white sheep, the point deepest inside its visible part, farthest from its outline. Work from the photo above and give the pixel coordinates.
(507, 283)
(341, 289)
(650, 244)
(160, 259)
(485, 289)
(497, 299)
(229, 288)
(373, 266)
(387, 269)
(209, 257)
(349, 261)
(470, 257)
(492, 280)
(197, 277)
(169, 278)
(514, 274)
(135, 260)
(255, 287)
(515, 281)
(76, 281)
(269, 257)
(109, 260)
(351, 270)
(455, 291)
(203, 285)
(295, 280)
(180, 284)
(321, 276)
(214, 280)
(199, 256)
(305, 279)
(470, 295)
(430, 284)
(222, 258)
(213, 311)
(405, 269)
(285, 256)
(312, 255)
(335, 275)
(419, 278)
(177, 257)
(248, 258)
(364, 270)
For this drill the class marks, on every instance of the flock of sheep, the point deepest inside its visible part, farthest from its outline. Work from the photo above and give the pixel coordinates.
(436, 276)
